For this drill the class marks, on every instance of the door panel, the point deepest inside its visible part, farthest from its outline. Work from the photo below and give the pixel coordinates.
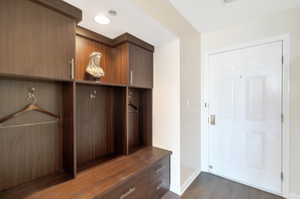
(37, 41)
(141, 67)
(246, 97)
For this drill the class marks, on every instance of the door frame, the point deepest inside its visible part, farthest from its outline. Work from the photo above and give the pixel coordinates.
(285, 104)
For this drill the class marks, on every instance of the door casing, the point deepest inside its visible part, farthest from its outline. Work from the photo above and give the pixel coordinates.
(285, 104)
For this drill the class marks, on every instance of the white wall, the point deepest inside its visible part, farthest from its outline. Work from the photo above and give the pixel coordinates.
(190, 87)
(286, 22)
(166, 102)
(189, 52)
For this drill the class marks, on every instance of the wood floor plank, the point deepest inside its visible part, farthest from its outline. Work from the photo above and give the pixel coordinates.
(208, 186)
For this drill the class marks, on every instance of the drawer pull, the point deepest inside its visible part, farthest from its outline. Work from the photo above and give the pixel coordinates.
(157, 171)
(130, 191)
(160, 186)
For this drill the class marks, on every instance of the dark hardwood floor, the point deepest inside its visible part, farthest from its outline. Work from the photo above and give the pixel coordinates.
(208, 186)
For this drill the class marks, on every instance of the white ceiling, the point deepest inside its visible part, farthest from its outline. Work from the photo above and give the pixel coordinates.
(130, 19)
(211, 15)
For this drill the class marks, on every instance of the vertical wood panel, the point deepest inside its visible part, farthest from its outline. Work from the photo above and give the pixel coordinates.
(120, 61)
(69, 128)
(147, 116)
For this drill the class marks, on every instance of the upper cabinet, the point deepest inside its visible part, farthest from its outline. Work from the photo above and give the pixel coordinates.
(125, 60)
(38, 38)
(137, 56)
(141, 67)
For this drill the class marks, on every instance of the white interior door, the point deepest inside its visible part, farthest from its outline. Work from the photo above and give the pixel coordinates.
(245, 96)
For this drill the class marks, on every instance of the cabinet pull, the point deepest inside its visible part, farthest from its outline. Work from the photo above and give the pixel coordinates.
(72, 68)
(130, 191)
(131, 77)
(160, 186)
(157, 171)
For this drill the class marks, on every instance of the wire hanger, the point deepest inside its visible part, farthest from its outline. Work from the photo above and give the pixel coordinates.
(30, 107)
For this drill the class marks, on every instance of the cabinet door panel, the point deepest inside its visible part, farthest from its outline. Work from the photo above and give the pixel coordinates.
(141, 67)
(35, 40)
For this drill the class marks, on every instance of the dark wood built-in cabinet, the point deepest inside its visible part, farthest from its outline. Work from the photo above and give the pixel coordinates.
(99, 145)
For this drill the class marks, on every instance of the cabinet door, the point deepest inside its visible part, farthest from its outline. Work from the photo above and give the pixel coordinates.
(141, 67)
(35, 41)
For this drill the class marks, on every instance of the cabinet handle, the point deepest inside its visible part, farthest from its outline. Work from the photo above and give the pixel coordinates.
(131, 77)
(130, 191)
(160, 186)
(72, 68)
(157, 171)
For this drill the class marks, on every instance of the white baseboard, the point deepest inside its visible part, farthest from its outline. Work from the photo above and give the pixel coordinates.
(294, 196)
(189, 181)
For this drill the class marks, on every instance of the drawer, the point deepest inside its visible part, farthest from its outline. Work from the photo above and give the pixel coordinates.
(159, 179)
(135, 188)
(158, 189)
(161, 171)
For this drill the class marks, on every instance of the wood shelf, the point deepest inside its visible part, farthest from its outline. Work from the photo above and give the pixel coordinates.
(140, 87)
(97, 162)
(98, 83)
(32, 77)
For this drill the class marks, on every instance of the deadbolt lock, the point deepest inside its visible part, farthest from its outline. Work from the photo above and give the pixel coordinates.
(212, 120)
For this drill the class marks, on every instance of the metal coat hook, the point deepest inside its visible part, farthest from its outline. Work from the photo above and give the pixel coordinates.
(31, 96)
(93, 94)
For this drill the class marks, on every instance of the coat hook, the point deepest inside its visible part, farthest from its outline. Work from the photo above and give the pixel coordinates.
(31, 96)
(93, 94)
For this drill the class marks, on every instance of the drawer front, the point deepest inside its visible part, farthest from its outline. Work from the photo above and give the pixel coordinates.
(161, 171)
(158, 189)
(132, 189)
(160, 179)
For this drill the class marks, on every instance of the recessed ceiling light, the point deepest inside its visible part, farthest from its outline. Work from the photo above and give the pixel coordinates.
(228, 1)
(102, 19)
